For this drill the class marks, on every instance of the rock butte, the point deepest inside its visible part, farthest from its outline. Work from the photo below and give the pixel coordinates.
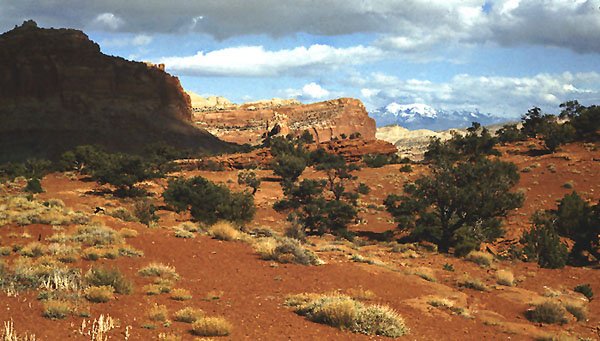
(249, 122)
(57, 91)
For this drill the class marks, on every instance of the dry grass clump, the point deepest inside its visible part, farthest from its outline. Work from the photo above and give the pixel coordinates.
(130, 251)
(188, 315)
(578, 310)
(473, 283)
(128, 233)
(123, 214)
(444, 303)
(181, 295)
(169, 337)
(55, 310)
(45, 272)
(187, 226)
(505, 277)
(426, 273)
(181, 233)
(5, 250)
(158, 313)
(97, 235)
(159, 270)
(285, 250)
(343, 312)
(481, 258)
(224, 230)
(99, 294)
(8, 333)
(211, 326)
(64, 252)
(24, 211)
(361, 294)
(100, 276)
(547, 312)
(34, 250)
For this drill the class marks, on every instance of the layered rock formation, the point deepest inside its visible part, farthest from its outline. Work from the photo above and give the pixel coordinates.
(57, 91)
(351, 150)
(250, 122)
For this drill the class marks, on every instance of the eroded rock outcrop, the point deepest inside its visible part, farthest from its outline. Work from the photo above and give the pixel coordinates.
(248, 123)
(57, 90)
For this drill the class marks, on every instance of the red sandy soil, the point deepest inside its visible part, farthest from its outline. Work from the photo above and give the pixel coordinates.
(253, 290)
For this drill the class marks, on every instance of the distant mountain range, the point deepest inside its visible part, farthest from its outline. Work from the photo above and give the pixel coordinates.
(422, 116)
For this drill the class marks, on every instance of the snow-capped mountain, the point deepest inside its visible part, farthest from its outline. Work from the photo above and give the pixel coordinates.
(422, 116)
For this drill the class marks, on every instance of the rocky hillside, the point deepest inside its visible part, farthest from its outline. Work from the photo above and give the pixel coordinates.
(248, 123)
(57, 91)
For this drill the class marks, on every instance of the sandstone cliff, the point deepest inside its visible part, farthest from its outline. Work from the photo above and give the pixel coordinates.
(248, 123)
(57, 90)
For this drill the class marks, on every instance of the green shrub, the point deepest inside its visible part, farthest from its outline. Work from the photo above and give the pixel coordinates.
(509, 133)
(547, 312)
(542, 244)
(34, 186)
(100, 276)
(406, 169)
(209, 202)
(376, 160)
(586, 290)
(145, 211)
(159, 270)
(458, 202)
(286, 250)
(249, 178)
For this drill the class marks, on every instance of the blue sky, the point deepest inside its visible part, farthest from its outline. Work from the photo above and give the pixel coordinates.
(501, 57)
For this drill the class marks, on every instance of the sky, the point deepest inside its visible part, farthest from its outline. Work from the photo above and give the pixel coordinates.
(497, 56)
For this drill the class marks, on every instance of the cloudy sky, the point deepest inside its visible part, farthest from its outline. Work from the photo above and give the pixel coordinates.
(498, 56)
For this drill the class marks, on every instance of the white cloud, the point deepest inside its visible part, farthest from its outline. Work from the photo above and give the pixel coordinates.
(107, 21)
(255, 61)
(137, 40)
(408, 25)
(509, 96)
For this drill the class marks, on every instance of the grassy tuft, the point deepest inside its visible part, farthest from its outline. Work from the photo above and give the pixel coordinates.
(188, 315)
(547, 312)
(505, 277)
(481, 258)
(211, 326)
(101, 294)
(159, 270)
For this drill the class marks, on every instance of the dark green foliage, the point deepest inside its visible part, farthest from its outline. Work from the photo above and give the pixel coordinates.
(99, 276)
(476, 143)
(533, 121)
(585, 290)
(34, 186)
(576, 219)
(289, 167)
(448, 267)
(124, 171)
(585, 120)
(145, 212)
(249, 179)
(406, 169)
(554, 134)
(457, 202)
(321, 206)
(354, 136)
(363, 188)
(30, 169)
(376, 160)
(209, 202)
(509, 133)
(83, 159)
(290, 157)
(547, 312)
(542, 243)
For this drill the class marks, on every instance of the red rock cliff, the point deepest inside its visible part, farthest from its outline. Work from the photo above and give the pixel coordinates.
(324, 120)
(57, 90)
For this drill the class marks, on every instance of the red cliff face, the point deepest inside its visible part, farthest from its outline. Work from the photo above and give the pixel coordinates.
(58, 90)
(324, 120)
